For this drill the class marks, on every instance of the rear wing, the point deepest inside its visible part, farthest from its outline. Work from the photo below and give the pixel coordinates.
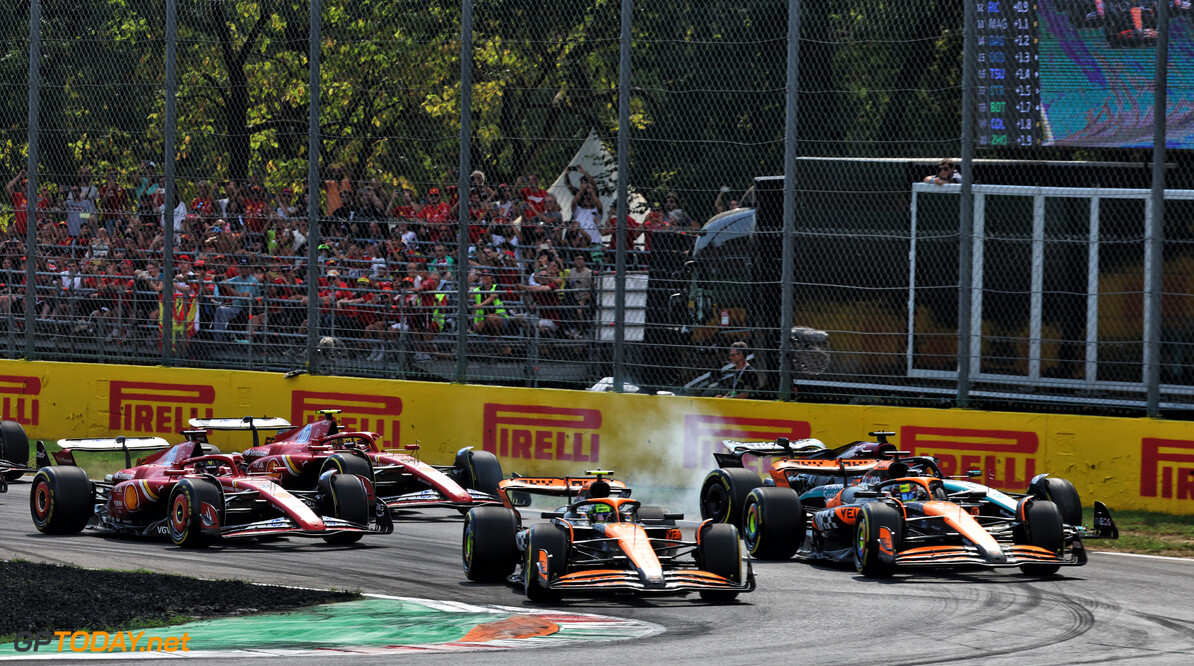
(513, 491)
(249, 423)
(850, 467)
(125, 444)
(781, 446)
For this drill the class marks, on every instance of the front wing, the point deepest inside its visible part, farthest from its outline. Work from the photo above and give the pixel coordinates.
(433, 498)
(674, 581)
(967, 555)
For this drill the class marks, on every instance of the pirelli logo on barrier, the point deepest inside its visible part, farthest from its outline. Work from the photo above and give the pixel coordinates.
(542, 433)
(1007, 458)
(1167, 468)
(158, 408)
(367, 413)
(703, 434)
(19, 399)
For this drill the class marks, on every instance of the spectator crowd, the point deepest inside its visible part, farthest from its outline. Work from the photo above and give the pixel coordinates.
(386, 262)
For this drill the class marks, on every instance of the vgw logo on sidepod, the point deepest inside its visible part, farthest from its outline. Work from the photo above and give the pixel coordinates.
(964, 449)
(18, 399)
(157, 408)
(542, 433)
(703, 434)
(1158, 458)
(362, 413)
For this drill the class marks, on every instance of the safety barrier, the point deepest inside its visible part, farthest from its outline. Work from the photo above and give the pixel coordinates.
(648, 440)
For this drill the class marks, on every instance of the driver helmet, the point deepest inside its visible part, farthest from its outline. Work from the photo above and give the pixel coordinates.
(907, 492)
(602, 513)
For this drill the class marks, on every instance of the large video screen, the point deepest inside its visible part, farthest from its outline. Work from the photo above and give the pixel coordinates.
(1080, 73)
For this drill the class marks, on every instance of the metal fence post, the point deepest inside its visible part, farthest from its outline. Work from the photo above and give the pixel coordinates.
(789, 239)
(1154, 247)
(463, 184)
(314, 25)
(31, 175)
(168, 202)
(966, 204)
(623, 198)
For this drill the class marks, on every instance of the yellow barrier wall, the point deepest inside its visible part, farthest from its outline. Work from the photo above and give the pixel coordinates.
(649, 440)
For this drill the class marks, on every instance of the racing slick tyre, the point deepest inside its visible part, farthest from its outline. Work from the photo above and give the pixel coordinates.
(867, 532)
(186, 520)
(773, 525)
(1042, 527)
(720, 553)
(350, 501)
(1063, 494)
(549, 538)
(61, 500)
(723, 495)
(14, 447)
(489, 549)
(348, 463)
(479, 470)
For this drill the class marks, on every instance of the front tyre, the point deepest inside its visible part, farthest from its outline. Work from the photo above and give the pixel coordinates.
(1063, 494)
(196, 509)
(488, 549)
(480, 470)
(774, 523)
(720, 553)
(1043, 525)
(60, 500)
(14, 447)
(723, 494)
(350, 502)
(880, 527)
(547, 556)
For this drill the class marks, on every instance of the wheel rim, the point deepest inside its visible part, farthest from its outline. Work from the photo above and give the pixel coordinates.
(179, 514)
(751, 526)
(41, 501)
(861, 540)
(469, 535)
(716, 502)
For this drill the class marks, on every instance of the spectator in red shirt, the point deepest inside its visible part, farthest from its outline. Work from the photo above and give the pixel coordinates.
(203, 205)
(534, 196)
(113, 202)
(435, 213)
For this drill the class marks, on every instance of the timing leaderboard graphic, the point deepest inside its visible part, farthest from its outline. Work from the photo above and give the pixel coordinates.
(1080, 73)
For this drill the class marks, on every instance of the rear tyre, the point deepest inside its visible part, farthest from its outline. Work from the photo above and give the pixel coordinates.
(14, 447)
(551, 539)
(720, 553)
(867, 533)
(723, 494)
(488, 549)
(186, 523)
(61, 500)
(481, 471)
(1043, 525)
(1063, 494)
(350, 501)
(773, 525)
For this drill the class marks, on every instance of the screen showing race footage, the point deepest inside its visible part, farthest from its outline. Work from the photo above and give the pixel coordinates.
(1079, 73)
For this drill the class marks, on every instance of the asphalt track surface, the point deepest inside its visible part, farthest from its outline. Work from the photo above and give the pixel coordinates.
(1116, 608)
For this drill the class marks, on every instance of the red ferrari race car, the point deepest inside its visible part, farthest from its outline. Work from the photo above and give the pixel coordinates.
(800, 465)
(195, 495)
(14, 453)
(600, 542)
(903, 514)
(301, 455)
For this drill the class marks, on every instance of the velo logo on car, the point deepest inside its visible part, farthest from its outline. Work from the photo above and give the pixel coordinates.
(1007, 458)
(158, 408)
(361, 413)
(543, 433)
(704, 433)
(18, 399)
(1159, 460)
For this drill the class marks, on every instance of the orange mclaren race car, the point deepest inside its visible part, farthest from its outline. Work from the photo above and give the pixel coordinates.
(800, 465)
(903, 515)
(600, 542)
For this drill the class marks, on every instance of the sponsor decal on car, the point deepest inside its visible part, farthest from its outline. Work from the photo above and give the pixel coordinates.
(153, 407)
(542, 433)
(1007, 458)
(358, 412)
(1162, 473)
